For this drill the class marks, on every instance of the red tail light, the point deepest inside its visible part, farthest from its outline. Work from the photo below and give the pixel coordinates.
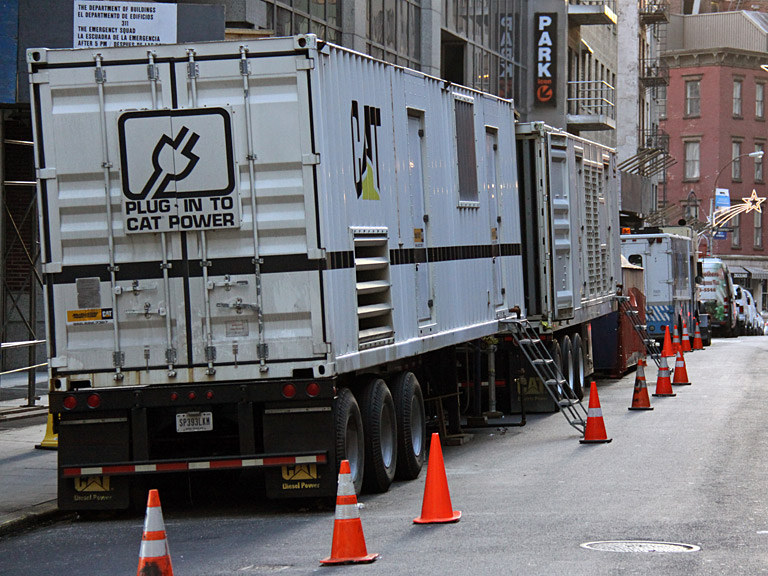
(313, 389)
(289, 390)
(70, 402)
(93, 401)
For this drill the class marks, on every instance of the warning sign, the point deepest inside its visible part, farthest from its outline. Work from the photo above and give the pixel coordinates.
(178, 170)
(92, 316)
(98, 24)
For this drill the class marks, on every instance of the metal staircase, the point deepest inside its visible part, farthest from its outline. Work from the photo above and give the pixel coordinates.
(547, 369)
(650, 344)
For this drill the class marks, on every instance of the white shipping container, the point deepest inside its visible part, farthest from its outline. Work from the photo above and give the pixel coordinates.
(384, 201)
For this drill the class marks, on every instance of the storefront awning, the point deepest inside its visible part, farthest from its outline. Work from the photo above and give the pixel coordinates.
(739, 272)
(757, 273)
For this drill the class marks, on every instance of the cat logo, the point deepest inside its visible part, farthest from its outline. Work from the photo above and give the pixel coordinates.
(365, 151)
(300, 472)
(92, 484)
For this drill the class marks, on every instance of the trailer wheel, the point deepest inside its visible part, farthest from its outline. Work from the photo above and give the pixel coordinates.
(380, 431)
(578, 367)
(411, 425)
(349, 435)
(568, 363)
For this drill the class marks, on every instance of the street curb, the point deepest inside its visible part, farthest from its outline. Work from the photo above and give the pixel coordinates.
(34, 516)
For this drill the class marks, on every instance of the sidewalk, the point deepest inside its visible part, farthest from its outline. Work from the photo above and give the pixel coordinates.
(28, 474)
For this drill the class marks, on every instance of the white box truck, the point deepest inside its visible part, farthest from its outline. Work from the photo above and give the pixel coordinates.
(255, 252)
(669, 261)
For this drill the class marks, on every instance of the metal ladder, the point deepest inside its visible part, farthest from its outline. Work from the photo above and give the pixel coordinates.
(547, 369)
(650, 344)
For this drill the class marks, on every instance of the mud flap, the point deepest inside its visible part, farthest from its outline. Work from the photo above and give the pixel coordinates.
(82, 443)
(312, 431)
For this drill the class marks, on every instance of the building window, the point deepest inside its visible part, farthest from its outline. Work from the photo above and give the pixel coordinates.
(760, 101)
(759, 147)
(735, 224)
(692, 98)
(313, 16)
(465, 148)
(758, 229)
(692, 160)
(737, 88)
(394, 31)
(736, 165)
(691, 207)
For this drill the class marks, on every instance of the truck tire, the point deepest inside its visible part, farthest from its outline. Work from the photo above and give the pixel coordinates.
(578, 367)
(568, 362)
(411, 425)
(380, 432)
(349, 435)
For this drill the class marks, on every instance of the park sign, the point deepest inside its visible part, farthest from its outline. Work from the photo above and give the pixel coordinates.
(545, 48)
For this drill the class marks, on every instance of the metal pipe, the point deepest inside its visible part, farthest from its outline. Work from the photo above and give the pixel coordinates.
(170, 351)
(101, 78)
(210, 351)
(262, 347)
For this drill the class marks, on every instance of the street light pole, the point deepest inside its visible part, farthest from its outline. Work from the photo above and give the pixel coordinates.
(712, 225)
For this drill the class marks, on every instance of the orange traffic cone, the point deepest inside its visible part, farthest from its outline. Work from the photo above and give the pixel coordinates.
(436, 507)
(154, 558)
(640, 400)
(685, 343)
(663, 385)
(675, 341)
(348, 545)
(595, 430)
(698, 343)
(681, 373)
(667, 351)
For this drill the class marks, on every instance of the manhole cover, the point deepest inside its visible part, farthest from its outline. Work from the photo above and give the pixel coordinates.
(639, 546)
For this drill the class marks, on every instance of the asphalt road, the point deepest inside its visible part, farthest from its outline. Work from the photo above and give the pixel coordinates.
(693, 471)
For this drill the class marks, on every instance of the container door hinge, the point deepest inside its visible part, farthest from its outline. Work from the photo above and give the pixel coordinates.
(305, 64)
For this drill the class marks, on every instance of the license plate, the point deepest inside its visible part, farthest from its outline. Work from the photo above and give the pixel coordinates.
(194, 422)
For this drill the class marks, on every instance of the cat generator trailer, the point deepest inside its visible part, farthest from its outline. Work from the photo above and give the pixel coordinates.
(259, 255)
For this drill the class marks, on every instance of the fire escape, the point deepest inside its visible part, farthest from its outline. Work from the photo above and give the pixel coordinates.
(652, 159)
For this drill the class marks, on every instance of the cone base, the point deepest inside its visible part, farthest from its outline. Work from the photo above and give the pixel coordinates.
(606, 441)
(455, 518)
(668, 394)
(640, 408)
(359, 560)
(681, 383)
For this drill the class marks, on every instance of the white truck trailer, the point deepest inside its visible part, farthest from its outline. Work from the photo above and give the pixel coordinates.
(570, 227)
(669, 261)
(253, 253)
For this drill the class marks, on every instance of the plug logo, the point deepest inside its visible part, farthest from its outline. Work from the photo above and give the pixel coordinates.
(178, 170)
(169, 173)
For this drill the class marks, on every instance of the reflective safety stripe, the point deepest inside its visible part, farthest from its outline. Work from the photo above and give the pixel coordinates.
(128, 469)
(346, 487)
(595, 413)
(153, 549)
(347, 512)
(153, 521)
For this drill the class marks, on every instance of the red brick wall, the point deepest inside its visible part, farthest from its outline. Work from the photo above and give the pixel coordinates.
(716, 128)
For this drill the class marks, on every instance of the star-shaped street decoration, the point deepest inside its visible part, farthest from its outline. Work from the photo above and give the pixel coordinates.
(753, 202)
